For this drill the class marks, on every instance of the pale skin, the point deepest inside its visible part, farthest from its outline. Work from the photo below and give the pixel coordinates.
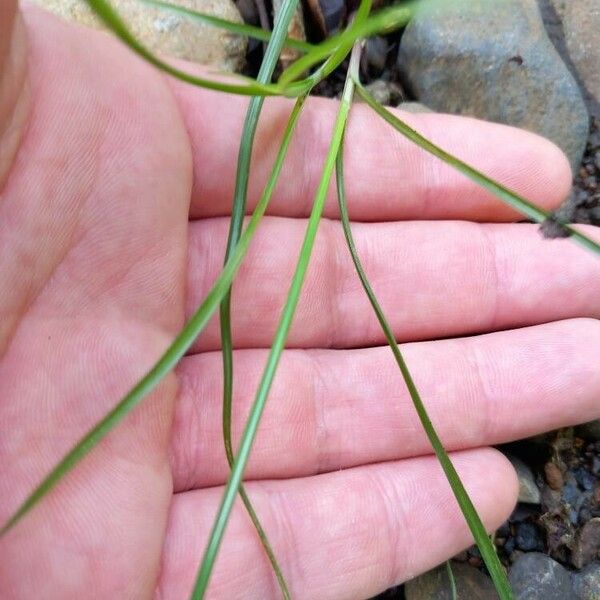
(115, 185)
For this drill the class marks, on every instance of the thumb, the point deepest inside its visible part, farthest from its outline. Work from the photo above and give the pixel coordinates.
(13, 67)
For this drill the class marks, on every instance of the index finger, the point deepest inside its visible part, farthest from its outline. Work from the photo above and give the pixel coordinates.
(387, 176)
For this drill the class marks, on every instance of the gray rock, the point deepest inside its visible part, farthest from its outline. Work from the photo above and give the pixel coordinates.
(559, 6)
(167, 33)
(535, 576)
(380, 91)
(529, 492)
(586, 583)
(434, 585)
(587, 544)
(581, 28)
(552, 16)
(414, 107)
(492, 59)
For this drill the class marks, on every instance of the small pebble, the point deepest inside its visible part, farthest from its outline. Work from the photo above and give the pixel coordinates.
(570, 490)
(528, 489)
(535, 576)
(528, 537)
(515, 555)
(553, 475)
(585, 514)
(585, 479)
(509, 545)
(375, 54)
(596, 496)
(587, 544)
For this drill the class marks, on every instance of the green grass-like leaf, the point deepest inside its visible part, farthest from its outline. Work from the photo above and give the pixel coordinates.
(114, 22)
(451, 580)
(335, 49)
(175, 351)
(236, 475)
(520, 204)
(486, 547)
(242, 29)
(341, 48)
(268, 65)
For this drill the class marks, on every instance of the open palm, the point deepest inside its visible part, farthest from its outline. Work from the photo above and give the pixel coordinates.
(113, 222)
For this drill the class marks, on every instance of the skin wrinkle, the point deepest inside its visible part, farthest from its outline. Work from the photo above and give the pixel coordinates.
(482, 406)
(397, 519)
(332, 278)
(281, 529)
(319, 388)
(496, 283)
(432, 177)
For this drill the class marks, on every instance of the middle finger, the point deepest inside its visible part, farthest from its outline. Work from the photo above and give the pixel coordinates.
(433, 279)
(333, 409)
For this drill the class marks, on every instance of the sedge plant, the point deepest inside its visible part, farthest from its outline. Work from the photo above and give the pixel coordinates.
(319, 61)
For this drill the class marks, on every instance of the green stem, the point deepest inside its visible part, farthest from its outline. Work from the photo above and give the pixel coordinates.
(337, 55)
(113, 21)
(520, 204)
(265, 74)
(236, 475)
(476, 526)
(452, 581)
(336, 48)
(242, 29)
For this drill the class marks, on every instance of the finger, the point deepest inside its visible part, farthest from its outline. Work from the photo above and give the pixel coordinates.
(432, 279)
(332, 410)
(349, 534)
(387, 176)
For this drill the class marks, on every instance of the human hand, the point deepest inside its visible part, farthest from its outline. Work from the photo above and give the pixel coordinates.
(113, 221)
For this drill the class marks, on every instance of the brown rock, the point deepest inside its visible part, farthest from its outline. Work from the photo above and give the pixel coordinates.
(553, 475)
(168, 33)
(596, 496)
(295, 32)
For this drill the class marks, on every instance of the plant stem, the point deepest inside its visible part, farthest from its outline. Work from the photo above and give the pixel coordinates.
(113, 21)
(265, 74)
(520, 204)
(476, 526)
(236, 475)
(242, 29)
(453, 591)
